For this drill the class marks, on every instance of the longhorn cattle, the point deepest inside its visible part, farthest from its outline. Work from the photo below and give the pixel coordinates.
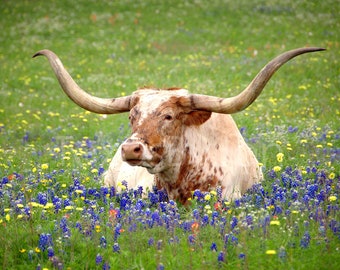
(180, 141)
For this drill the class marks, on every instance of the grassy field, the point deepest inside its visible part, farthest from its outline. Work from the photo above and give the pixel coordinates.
(54, 212)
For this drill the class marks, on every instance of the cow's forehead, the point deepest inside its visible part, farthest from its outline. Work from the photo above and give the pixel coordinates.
(150, 99)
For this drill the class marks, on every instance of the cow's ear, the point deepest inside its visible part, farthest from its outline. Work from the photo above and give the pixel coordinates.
(195, 117)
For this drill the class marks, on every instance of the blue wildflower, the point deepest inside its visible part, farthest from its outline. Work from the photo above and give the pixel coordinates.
(106, 266)
(151, 241)
(205, 220)
(213, 247)
(191, 239)
(153, 198)
(50, 252)
(233, 222)
(220, 257)
(42, 198)
(45, 240)
(249, 219)
(117, 231)
(99, 259)
(197, 194)
(304, 243)
(159, 244)
(242, 256)
(30, 254)
(116, 248)
(282, 253)
(103, 242)
(160, 266)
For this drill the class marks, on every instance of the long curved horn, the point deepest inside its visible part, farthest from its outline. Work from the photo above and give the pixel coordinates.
(252, 91)
(78, 95)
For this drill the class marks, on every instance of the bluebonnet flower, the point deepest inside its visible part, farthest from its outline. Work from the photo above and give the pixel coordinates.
(103, 242)
(99, 259)
(292, 129)
(214, 217)
(117, 231)
(282, 253)
(220, 257)
(160, 266)
(106, 266)
(153, 198)
(249, 219)
(213, 247)
(159, 244)
(101, 170)
(45, 240)
(237, 203)
(335, 227)
(125, 202)
(258, 201)
(116, 248)
(63, 226)
(79, 226)
(233, 222)
(191, 239)
(27, 211)
(57, 202)
(163, 206)
(50, 252)
(42, 198)
(162, 195)
(242, 256)
(151, 241)
(30, 254)
(219, 193)
(304, 243)
(104, 191)
(198, 195)
(205, 220)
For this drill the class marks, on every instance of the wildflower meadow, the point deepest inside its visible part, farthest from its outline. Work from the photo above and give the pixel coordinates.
(55, 212)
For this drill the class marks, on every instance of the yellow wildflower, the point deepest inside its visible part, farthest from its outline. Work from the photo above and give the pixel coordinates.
(331, 175)
(213, 192)
(275, 222)
(332, 198)
(94, 170)
(279, 157)
(277, 168)
(44, 166)
(271, 252)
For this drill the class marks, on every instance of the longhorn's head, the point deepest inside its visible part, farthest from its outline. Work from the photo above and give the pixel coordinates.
(159, 118)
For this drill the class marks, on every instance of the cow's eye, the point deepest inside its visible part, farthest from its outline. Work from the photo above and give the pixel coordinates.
(168, 117)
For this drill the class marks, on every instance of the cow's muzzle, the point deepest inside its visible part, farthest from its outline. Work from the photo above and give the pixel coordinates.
(137, 153)
(132, 153)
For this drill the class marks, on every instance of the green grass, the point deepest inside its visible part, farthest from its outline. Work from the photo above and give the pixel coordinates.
(212, 47)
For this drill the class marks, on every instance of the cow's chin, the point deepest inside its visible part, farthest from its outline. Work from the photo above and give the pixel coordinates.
(151, 166)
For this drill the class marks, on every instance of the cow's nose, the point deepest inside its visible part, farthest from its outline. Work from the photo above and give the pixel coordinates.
(132, 151)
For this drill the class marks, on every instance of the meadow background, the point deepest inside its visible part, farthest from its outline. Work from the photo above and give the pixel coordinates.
(54, 212)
